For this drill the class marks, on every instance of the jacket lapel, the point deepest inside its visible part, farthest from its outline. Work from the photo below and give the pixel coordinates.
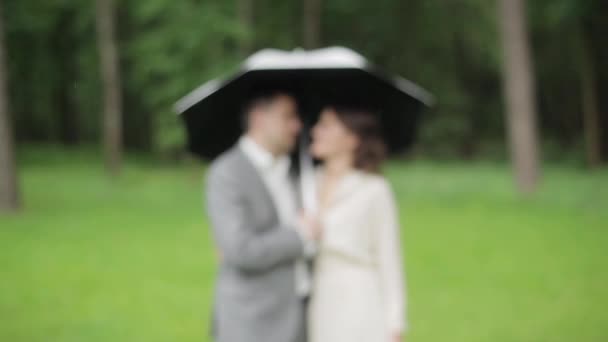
(344, 188)
(255, 180)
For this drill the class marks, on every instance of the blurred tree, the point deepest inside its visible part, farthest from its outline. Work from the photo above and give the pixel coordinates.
(245, 9)
(9, 194)
(590, 103)
(599, 32)
(519, 94)
(45, 39)
(64, 42)
(449, 48)
(110, 74)
(167, 48)
(567, 45)
(311, 23)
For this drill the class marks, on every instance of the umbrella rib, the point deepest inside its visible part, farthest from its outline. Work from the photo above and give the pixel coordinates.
(202, 92)
(414, 90)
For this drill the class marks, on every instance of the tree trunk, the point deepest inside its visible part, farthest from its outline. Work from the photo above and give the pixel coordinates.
(590, 104)
(110, 75)
(519, 94)
(9, 193)
(66, 64)
(245, 14)
(311, 24)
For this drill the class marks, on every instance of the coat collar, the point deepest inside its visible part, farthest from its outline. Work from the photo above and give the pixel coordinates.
(346, 185)
(261, 158)
(255, 178)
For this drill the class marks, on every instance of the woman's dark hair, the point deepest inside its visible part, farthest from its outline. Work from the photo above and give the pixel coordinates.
(371, 151)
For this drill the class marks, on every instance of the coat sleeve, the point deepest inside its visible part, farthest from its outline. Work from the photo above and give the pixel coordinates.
(389, 257)
(237, 241)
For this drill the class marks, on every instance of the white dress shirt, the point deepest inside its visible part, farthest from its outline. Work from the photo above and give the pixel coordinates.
(274, 171)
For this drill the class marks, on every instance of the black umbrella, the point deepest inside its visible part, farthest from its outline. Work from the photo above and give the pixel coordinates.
(336, 75)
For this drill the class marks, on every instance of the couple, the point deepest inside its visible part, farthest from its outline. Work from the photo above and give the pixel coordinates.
(266, 289)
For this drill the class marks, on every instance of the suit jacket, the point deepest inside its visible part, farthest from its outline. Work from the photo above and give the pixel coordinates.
(255, 294)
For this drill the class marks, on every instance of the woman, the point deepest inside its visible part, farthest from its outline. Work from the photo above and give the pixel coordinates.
(358, 292)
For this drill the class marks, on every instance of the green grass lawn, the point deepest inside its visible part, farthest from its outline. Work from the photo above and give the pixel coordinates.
(130, 259)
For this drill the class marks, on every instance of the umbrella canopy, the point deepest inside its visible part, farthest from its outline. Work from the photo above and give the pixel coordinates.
(330, 76)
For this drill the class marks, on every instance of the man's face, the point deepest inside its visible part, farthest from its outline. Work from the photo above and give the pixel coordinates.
(279, 124)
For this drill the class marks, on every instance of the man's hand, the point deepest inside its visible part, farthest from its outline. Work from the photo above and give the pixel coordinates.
(311, 226)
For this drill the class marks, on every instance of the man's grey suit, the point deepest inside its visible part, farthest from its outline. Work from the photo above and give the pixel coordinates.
(255, 294)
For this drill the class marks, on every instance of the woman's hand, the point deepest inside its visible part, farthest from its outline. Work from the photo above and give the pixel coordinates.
(397, 338)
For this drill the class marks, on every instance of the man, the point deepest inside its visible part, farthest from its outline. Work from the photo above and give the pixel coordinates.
(263, 280)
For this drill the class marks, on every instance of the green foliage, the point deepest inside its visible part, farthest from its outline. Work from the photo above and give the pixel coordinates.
(167, 48)
(171, 48)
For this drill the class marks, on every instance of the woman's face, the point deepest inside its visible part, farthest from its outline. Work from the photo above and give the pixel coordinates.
(331, 138)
